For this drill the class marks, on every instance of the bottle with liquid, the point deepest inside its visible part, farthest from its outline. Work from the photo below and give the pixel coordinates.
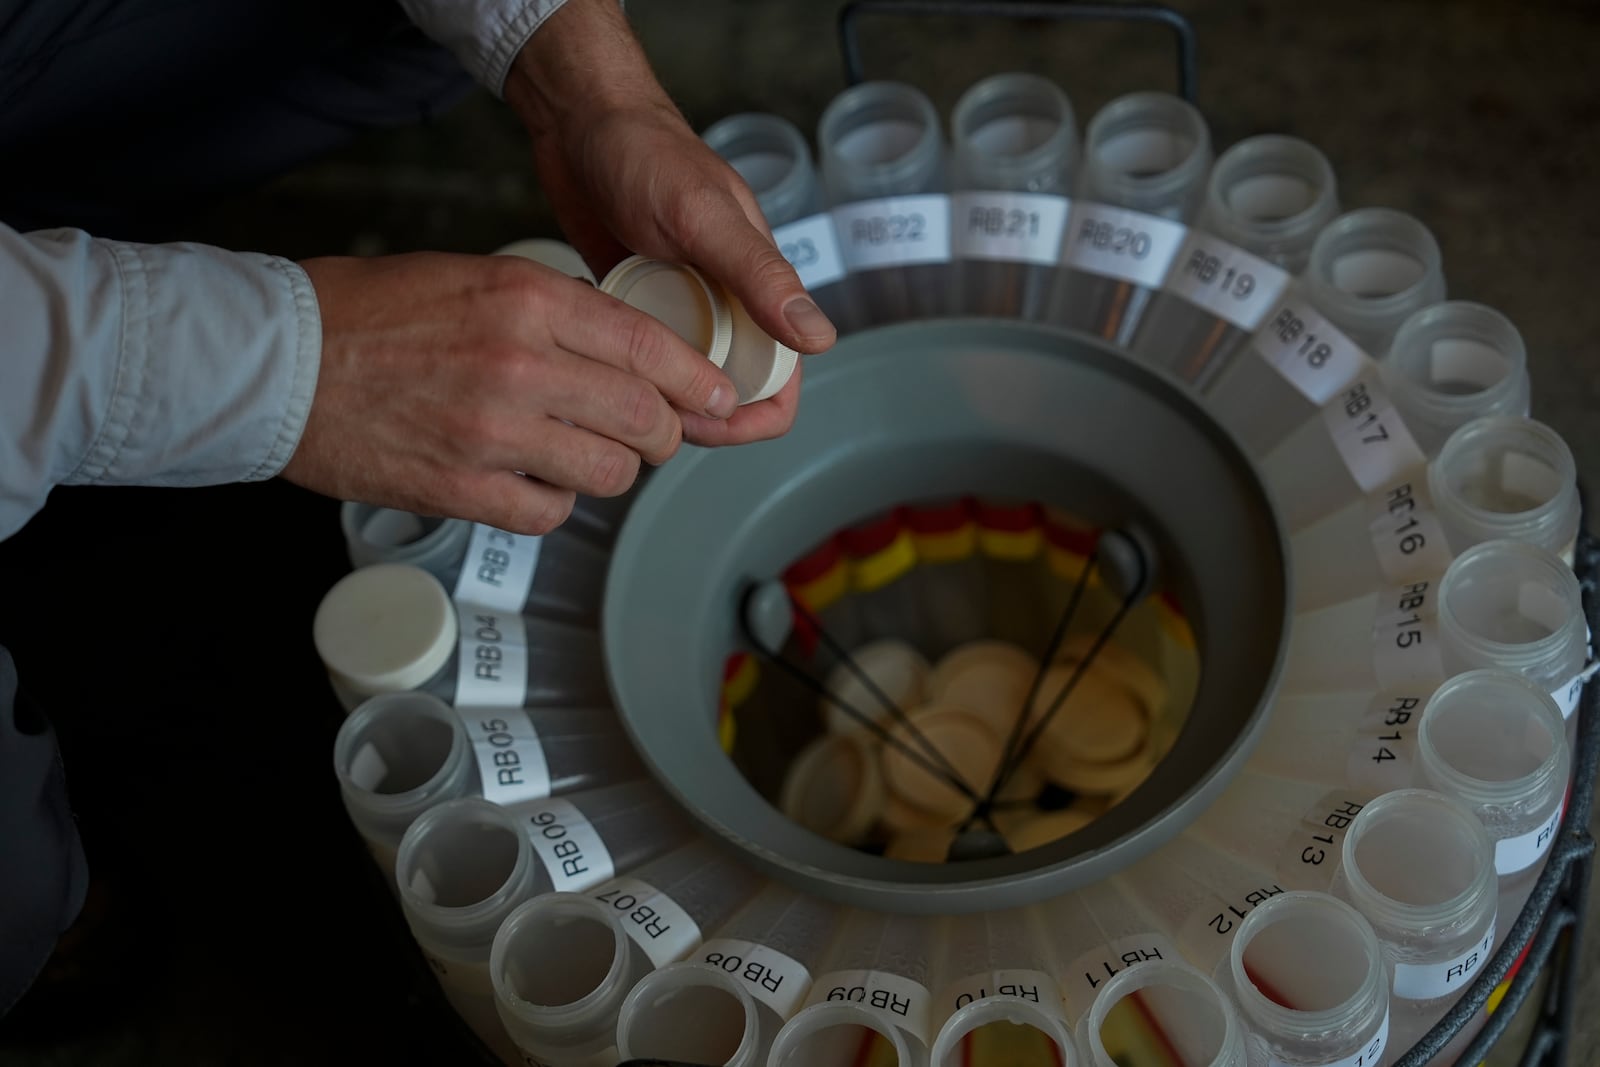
(772, 156)
(399, 754)
(606, 938)
(392, 627)
(884, 174)
(1013, 151)
(1266, 200)
(1364, 440)
(1146, 158)
(1163, 1003)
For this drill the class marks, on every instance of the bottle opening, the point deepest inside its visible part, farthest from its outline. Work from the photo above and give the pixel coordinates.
(399, 751)
(687, 1019)
(1144, 153)
(553, 959)
(1417, 856)
(841, 1043)
(1002, 1041)
(1164, 1023)
(1011, 135)
(456, 864)
(1375, 274)
(1270, 197)
(879, 141)
(1491, 733)
(1460, 367)
(1312, 961)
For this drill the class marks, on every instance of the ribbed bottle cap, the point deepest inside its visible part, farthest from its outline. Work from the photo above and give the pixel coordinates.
(835, 787)
(385, 628)
(758, 365)
(689, 304)
(556, 255)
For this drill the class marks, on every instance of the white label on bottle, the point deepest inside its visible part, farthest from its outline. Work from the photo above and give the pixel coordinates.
(1114, 242)
(1012, 227)
(1513, 854)
(511, 764)
(568, 845)
(497, 571)
(654, 920)
(1084, 976)
(1425, 981)
(1406, 533)
(491, 658)
(895, 999)
(1405, 638)
(1210, 927)
(780, 982)
(1035, 987)
(812, 248)
(1369, 1054)
(1384, 750)
(1308, 350)
(1372, 440)
(1227, 281)
(895, 231)
(1566, 696)
(1312, 852)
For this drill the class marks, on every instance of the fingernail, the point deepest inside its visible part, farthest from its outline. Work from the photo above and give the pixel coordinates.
(721, 403)
(806, 319)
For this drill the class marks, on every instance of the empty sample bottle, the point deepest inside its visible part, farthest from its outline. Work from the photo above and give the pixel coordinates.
(1363, 442)
(726, 1030)
(1518, 607)
(1013, 154)
(399, 754)
(1362, 740)
(1291, 828)
(391, 627)
(772, 156)
(1370, 270)
(883, 167)
(1167, 1001)
(1500, 477)
(1311, 982)
(1143, 177)
(1497, 743)
(1451, 363)
(871, 992)
(994, 973)
(1420, 867)
(1266, 200)
(558, 575)
(605, 939)
(1094, 933)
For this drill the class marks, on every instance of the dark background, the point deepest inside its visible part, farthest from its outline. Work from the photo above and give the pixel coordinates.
(235, 918)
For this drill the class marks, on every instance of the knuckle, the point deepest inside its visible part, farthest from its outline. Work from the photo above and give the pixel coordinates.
(647, 350)
(614, 472)
(552, 508)
(642, 411)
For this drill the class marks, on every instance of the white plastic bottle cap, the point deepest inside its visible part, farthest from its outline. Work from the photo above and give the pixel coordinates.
(758, 365)
(897, 669)
(835, 787)
(385, 628)
(1100, 721)
(967, 744)
(1047, 827)
(556, 255)
(689, 304)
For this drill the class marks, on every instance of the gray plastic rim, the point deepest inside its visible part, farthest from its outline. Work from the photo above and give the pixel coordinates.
(926, 410)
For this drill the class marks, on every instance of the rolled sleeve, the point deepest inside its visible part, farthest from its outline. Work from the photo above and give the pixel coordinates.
(125, 364)
(485, 35)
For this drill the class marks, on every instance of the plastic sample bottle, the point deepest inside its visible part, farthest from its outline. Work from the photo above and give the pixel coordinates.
(557, 255)
(1420, 867)
(708, 318)
(871, 990)
(559, 575)
(726, 1030)
(882, 159)
(1362, 740)
(1498, 744)
(391, 627)
(1364, 443)
(399, 754)
(1013, 154)
(1311, 983)
(995, 970)
(771, 155)
(1266, 200)
(1094, 934)
(1451, 363)
(1143, 177)
(1370, 270)
(1176, 1004)
(606, 939)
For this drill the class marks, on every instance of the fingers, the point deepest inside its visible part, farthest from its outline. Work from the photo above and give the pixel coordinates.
(511, 502)
(760, 421)
(612, 403)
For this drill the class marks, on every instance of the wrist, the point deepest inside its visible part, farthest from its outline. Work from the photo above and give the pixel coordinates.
(584, 60)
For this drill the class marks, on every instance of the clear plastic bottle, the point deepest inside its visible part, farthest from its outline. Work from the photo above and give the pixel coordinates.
(1266, 200)
(559, 575)
(871, 991)
(1370, 270)
(1146, 157)
(772, 156)
(1094, 933)
(726, 1030)
(1311, 983)
(391, 627)
(1170, 1000)
(1013, 151)
(882, 155)
(399, 754)
(606, 939)
(995, 972)
(1366, 439)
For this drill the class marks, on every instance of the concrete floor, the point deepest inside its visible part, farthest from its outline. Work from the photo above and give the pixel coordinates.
(1480, 118)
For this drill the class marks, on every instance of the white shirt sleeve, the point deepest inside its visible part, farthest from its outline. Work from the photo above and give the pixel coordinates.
(128, 364)
(485, 35)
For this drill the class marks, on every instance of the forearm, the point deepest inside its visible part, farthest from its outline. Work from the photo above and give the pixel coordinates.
(585, 58)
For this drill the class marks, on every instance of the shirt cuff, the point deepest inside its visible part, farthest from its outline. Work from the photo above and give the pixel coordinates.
(484, 35)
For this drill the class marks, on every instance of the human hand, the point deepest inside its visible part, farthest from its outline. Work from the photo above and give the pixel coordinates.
(442, 376)
(625, 172)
